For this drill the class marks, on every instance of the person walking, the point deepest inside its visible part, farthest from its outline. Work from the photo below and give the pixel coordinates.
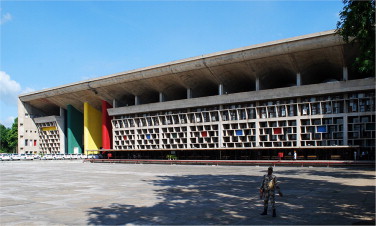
(268, 187)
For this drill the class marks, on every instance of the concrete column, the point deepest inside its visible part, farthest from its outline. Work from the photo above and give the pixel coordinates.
(298, 123)
(189, 93)
(345, 74)
(161, 97)
(188, 134)
(345, 130)
(298, 112)
(257, 83)
(257, 134)
(114, 103)
(220, 128)
(136, 100)
(220, 89)
(298, 132)
(63, 136)
(346, 109)
(160, 135)
(62, 112)
(298, 79)
(257, 123)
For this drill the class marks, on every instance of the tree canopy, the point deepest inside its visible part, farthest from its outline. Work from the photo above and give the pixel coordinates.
(357, 24)
(9, 137)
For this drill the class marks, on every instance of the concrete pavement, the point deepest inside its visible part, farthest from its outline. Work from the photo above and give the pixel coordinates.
(75, 193)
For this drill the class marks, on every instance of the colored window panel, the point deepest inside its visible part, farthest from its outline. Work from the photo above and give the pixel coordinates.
(125, 137)
(277, 131)
(49, 128)
(239, 132)
(204, 134)
(321, 129)
(148, 136)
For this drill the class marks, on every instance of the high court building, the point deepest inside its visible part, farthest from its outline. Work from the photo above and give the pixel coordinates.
(298, 94)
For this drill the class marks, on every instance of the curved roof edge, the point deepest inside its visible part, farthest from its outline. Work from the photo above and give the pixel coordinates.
(192, 63)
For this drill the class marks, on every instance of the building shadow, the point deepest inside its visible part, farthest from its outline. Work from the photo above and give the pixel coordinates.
(234, 199)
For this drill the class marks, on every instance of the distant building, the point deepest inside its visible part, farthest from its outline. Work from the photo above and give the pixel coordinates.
(298, 94)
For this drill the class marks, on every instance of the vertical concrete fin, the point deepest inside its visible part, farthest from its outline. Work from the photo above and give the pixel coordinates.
(106, 126)
(75, 129)
(92, 128)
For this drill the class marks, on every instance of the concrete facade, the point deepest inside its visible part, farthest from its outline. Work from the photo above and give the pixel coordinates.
(293, 93)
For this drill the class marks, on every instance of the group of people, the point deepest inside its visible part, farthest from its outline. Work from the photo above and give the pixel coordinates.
(362, 156)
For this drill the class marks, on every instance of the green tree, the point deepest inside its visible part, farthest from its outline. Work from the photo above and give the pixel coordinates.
(4, 146)
(357, 24)
(9, 137)
(13, 136)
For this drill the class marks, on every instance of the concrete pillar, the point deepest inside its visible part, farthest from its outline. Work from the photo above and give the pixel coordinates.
(220, 89)
(345, 130)
(298, 79)
(63, 136)
(257, 83)
(298, 132)
(345, 74)
(114, 103)
(188, 134)
(298, 113)
(298, 124)
(62, 112)
(136, 100)
(160, 132)
(257, 123)
(220, 128)
(257, 134)
(189, 93)
(161, 97)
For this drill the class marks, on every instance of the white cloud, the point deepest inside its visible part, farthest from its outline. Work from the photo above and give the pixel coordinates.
(9, 89)
(5, 18)
(27, 90)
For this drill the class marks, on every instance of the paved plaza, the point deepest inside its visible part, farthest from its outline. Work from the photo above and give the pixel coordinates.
(76, 193)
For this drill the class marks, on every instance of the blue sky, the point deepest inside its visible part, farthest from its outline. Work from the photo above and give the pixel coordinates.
(51, 43)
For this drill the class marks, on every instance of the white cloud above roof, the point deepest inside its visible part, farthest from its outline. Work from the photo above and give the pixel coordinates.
(9, 89)
(5, 18)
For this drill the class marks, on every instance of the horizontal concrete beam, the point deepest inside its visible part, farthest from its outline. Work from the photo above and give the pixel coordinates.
(289, 92)
(47, 119)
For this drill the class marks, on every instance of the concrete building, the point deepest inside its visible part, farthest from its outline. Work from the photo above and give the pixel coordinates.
(298, 94)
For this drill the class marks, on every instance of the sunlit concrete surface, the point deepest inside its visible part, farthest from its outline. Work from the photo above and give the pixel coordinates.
(76, 193)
